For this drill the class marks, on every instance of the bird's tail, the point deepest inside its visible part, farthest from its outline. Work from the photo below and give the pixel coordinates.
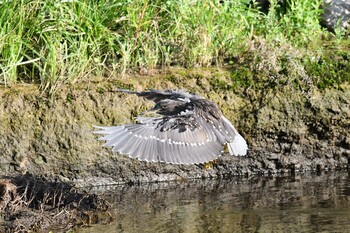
(238, 146)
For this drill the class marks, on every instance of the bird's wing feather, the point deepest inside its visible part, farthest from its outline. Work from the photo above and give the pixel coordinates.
(148, 142)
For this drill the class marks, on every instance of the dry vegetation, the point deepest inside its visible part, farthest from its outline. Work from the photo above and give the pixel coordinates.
(32, 204)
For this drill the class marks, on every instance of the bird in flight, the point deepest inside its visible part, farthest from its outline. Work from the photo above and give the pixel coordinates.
(181, 128)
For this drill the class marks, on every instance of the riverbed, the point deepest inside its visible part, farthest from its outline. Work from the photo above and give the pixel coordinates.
(316, 202)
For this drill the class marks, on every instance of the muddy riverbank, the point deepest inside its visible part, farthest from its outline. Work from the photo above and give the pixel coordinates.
(287, 129)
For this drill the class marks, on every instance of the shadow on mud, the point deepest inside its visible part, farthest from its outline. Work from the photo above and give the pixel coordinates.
(29, 203)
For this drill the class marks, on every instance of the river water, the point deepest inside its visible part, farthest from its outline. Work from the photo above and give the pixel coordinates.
(300, 203)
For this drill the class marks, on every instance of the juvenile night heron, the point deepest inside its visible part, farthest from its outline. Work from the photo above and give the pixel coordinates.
(185, 129)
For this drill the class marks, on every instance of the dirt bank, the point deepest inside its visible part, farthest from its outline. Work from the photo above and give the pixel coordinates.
(287, 130)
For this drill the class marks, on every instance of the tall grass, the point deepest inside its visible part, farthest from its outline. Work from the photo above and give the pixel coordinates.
(52, 41)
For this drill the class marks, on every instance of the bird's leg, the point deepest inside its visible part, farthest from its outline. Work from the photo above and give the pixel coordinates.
(226, 149)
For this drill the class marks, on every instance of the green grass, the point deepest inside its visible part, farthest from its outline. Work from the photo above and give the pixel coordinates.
(53, 42)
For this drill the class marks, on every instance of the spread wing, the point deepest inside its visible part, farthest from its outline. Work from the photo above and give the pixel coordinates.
(182, 132)
(146, 141)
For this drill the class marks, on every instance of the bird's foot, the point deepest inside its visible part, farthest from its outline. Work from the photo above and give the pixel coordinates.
(209, 165)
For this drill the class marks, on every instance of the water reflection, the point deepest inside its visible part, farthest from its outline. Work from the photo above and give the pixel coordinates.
(305, 203)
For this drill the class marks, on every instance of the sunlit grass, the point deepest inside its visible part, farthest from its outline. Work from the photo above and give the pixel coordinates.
(53, 42)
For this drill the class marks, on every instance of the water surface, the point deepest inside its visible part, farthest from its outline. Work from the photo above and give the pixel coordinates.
(301, 203)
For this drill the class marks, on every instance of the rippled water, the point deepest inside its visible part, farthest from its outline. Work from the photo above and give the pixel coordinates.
(303, 203)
